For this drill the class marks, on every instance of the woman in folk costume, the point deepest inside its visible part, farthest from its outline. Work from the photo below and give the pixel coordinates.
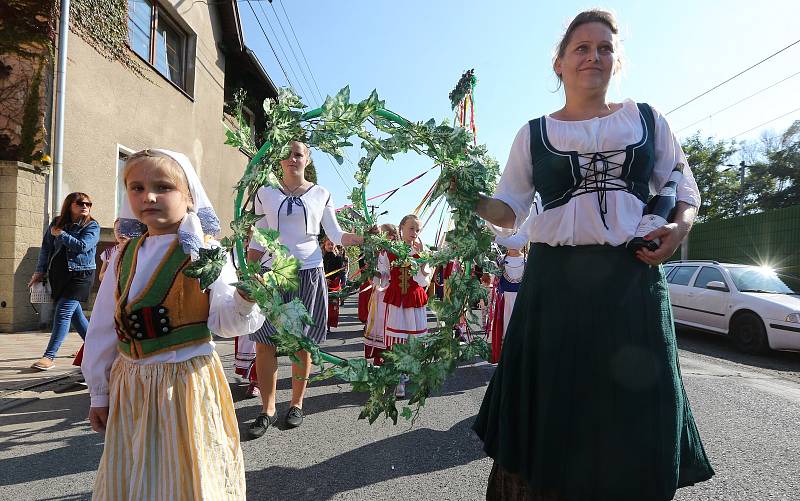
(298, 209)
(504, 294)
(587, 402)
(374, 342)
(406, 297)
(157, 387)
(335, 268)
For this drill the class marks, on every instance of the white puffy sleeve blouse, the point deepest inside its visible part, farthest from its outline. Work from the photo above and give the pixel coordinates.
(578, 222)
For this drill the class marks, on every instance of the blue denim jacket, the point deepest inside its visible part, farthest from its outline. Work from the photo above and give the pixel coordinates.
(80, 243)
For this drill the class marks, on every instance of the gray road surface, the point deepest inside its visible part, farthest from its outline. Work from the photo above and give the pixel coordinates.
(747, 408)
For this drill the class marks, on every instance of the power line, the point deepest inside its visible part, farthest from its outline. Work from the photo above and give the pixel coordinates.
(765, 123)
(278, 42)
(731, 78)
(285, 74)
(270, 43)
(351, 170)
(301, 51)
(739, 101)
(289, 43)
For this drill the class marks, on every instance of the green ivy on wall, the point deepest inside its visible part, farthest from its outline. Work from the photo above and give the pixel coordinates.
(103, 24)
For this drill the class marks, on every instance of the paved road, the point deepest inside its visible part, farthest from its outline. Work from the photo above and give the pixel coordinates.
(747, 408)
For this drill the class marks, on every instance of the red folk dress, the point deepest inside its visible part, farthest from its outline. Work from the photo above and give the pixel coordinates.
(406, 300)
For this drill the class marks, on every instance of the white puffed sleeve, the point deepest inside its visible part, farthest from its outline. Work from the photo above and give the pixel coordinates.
(229, 314)
(516, 183)
(333, 231)
(523, 235)
(258, 208)
(100, 346)
(383, 264)
(423, 276)
(668, 153)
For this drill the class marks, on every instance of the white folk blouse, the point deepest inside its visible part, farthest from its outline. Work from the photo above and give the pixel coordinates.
(578, 222)
(298, 219)
(229, 316)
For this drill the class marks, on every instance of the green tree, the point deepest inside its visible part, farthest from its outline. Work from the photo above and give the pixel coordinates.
(784, 168)
(719, 187)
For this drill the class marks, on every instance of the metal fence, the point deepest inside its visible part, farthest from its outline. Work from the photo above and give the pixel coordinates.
(769, 238)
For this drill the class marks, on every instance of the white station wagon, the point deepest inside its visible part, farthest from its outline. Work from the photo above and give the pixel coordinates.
(750, 304)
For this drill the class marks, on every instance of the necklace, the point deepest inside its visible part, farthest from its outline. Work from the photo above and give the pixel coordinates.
(291, 191)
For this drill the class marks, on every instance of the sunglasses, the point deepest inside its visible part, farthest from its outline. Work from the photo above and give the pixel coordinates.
(83, 204)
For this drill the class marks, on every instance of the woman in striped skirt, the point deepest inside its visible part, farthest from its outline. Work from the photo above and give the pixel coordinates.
(297, 210)
(587, 402)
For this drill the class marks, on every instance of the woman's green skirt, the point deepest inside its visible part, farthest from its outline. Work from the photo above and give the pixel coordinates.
(587, 400)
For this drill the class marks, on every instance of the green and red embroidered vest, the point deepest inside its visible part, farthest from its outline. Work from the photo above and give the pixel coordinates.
(170, 312)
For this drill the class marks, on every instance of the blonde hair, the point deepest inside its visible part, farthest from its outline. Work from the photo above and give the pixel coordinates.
(404, 221)
(588, 16)
(162, 161)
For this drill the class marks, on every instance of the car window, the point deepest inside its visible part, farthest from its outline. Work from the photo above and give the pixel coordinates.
(758, 279)
(682, 275)
(668, 270)
(708, 274)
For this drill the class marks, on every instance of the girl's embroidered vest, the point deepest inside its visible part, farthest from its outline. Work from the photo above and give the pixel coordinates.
(558, 175)
(506, 284)
(403, 290)
(171, 311)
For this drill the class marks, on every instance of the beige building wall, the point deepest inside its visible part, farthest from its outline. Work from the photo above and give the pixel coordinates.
(109, 107)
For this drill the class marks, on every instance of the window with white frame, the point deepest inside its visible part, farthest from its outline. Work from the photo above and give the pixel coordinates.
(122, 155)
(159, 40)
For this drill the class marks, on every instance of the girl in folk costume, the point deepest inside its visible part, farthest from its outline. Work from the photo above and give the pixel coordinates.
(335, 268)
(587, 401)
(505, 291)
(157, 387)
(298, 209)
(244, 364)
(364, 293)
(406, 298)
(374, 342)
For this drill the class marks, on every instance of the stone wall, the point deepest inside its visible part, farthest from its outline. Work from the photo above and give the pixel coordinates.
(22, 221)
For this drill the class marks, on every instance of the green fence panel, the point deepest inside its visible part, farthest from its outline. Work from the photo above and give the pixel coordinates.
(768, 238)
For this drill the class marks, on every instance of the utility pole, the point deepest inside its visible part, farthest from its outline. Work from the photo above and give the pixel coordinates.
(742, 167)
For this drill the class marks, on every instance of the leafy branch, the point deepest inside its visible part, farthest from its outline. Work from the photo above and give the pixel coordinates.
(426, 360)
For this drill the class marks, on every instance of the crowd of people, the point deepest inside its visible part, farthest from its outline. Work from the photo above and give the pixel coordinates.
(586, 401)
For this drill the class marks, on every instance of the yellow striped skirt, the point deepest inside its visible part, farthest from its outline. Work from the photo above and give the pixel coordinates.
(172, 434)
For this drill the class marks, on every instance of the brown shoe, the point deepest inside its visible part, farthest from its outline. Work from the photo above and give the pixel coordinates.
(43, 364)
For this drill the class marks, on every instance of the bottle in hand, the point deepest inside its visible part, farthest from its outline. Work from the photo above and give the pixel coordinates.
(658, 212)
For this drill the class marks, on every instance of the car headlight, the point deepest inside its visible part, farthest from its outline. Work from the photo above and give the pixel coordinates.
(792, 317)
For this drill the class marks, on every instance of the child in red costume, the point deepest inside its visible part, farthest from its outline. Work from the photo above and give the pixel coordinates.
(406, 296)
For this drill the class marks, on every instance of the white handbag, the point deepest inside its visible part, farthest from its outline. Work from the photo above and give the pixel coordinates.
(41, 293)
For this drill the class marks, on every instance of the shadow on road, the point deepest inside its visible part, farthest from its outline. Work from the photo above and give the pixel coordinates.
(416, 452)
(70, 453)
(717, 346)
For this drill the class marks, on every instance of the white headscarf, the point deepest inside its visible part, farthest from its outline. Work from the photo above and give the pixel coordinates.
(201, 220)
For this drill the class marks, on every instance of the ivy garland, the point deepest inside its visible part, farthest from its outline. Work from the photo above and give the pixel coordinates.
(427, 360)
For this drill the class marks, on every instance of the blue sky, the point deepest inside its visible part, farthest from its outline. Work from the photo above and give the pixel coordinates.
(413, 53)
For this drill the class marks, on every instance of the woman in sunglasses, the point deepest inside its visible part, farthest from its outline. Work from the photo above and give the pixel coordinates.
(67, 261)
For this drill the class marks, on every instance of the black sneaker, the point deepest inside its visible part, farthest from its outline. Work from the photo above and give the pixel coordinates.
(258, 427)
(294, 417)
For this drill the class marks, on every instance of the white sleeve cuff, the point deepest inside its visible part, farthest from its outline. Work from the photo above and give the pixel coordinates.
(99, 400)
(243, 306)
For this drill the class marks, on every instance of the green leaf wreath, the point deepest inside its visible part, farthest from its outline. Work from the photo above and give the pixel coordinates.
(426, 360)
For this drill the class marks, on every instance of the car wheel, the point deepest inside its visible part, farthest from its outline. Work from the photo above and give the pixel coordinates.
(749, 334)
